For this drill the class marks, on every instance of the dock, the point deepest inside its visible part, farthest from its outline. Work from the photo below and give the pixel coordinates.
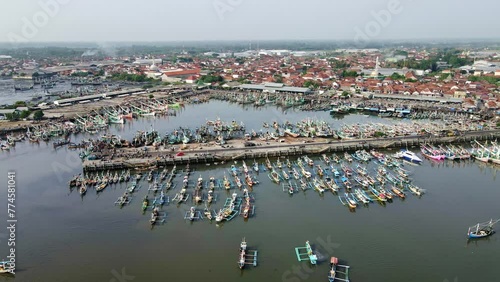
(160, 158)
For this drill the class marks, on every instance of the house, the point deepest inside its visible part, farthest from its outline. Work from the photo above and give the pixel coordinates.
(497, 73)
(460, 94)
(191, 79)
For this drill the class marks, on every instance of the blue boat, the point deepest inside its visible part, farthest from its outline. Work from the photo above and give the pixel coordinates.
(482, 230)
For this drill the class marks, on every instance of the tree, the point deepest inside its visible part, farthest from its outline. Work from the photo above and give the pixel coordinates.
(24, 114)
(12, 116)
(346, 73)
(19, 104)
(38, 115)
(397, 76)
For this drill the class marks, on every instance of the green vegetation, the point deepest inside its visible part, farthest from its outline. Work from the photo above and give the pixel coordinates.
(210, 79)
(444, 76)
(489, 79)
(38, 115)
(336, 64)
(346, 73)
(312, 84)
(130, 77)
(17, 115)
(400, 53)
(151, 96)
(80, 74)
(378, 134)
(19, 104)
(450, 56)
(147, 86)
(397, 76)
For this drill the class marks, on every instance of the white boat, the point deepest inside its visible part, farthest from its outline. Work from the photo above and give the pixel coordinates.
(408, 156)
(4, 268)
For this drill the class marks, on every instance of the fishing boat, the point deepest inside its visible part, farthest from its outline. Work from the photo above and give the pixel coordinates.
(226, 183)
(333, 268)
(256, 166)
(192, 213)
(398, 192)
(408, 156)
(348, 157)
(145, 203)
(155, 215)
(4, 268)
(415, 190)
(350, 202)
(308, 161)
(274, 176)
(347, 170)
(335, 172)
(243, 249)
(326, 159)
(208, 214)
(482, 230)
(431, 153)
(268, 164)
(83, 189)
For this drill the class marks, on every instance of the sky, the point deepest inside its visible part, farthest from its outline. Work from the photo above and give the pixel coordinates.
(212, 20)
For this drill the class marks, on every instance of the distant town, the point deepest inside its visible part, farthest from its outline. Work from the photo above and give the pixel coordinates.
(468, 76)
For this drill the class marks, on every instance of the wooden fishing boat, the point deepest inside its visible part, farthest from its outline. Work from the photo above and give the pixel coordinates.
(145, 203)
(256, 166)
(226, 183)
(415, 190)
(348, 157)
(398, 192)
(192, 213)
(350, 202)
(242, 254)
(4, 269)
(326, 159)
(268, 164)
(482, 230)
(274, 176)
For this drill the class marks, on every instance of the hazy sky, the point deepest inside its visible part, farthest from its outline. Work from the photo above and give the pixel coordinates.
(180, 20)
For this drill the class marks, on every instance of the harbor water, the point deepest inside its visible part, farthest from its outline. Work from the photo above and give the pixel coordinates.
(64, 237)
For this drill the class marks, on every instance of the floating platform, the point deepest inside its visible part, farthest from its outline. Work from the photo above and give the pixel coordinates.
(306, 253)
(251, 257)
(197, 215)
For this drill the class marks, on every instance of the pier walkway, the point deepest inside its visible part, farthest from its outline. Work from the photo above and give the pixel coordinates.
(214, 155)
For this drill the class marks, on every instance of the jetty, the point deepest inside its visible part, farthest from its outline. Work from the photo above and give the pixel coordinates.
(292, 147)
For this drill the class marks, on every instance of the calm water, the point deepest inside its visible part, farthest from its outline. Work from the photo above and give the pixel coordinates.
(62, 237)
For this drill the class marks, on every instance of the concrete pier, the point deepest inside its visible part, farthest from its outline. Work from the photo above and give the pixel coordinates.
(196, 156)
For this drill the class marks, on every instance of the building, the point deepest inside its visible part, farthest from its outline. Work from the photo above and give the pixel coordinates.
(179, 74)
(275, 88)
